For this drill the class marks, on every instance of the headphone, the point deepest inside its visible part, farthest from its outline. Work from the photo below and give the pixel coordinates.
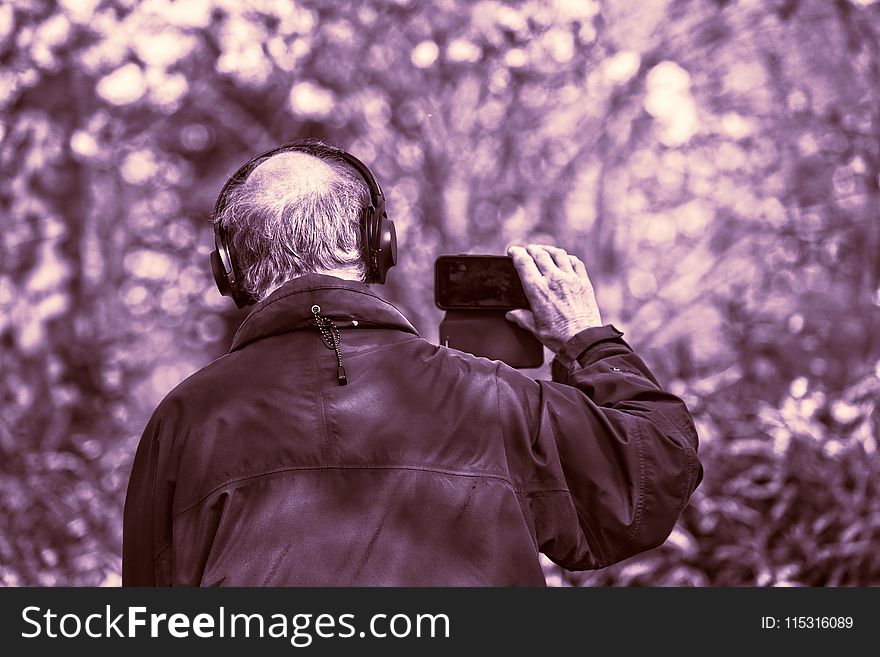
(378, 237)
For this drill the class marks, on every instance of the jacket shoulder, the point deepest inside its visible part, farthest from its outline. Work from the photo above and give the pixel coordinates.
(204, 385)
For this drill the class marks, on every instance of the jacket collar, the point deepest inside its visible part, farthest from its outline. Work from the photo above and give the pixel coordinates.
(349, 304)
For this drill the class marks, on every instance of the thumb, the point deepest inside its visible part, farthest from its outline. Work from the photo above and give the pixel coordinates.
(522, 318)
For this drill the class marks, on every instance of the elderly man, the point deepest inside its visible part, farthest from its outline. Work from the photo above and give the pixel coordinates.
(334, 446)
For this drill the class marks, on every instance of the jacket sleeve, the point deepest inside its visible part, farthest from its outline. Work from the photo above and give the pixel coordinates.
(604, 461)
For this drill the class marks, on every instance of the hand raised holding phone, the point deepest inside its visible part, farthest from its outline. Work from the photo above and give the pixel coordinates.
(560, 294)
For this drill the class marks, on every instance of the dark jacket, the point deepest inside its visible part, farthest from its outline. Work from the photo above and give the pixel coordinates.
(430, 467)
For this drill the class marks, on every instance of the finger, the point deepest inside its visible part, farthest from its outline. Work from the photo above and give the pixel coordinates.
(542, 259)
(522, 318)
(525, 266)
(560, 257)
(579, 267)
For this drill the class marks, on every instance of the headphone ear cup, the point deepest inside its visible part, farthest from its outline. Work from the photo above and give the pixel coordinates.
(383, 247)
(380, 237)
(387, 247)
(223, 269)
(220, 277)
(370, 247)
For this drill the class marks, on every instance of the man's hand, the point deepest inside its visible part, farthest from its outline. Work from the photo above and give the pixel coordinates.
(559, 291)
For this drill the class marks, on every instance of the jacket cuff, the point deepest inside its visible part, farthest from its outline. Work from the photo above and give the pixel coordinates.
(577, 346)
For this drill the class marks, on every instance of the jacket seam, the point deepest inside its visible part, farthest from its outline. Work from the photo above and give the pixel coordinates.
(541, 491)
(498, 411)
(156, 560)
(325, 437)
(155, 527)
(640, 502)
(690, 462)
(304, 468)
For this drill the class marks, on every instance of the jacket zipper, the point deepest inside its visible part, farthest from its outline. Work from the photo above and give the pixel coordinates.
(330, 337)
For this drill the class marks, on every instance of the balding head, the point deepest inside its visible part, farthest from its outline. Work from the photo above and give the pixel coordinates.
(296, 214)
(287, 176)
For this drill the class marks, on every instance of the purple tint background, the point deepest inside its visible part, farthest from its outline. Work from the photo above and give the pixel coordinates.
(714, 162)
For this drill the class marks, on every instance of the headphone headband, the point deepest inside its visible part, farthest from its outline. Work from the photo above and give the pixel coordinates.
(378, 237)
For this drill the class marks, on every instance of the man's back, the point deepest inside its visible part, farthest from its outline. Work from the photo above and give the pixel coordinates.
(430, 467)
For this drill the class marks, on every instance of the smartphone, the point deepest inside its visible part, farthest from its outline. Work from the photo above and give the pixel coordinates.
(475, 282)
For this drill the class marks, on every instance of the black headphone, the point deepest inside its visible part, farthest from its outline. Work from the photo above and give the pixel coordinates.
(378, 237)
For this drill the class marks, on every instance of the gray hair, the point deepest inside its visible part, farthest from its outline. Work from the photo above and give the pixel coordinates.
(277, 238)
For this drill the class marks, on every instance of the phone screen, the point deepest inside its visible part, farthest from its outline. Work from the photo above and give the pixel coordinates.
(473, 281)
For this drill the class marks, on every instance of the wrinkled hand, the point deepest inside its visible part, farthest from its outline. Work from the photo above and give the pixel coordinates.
(559, 291)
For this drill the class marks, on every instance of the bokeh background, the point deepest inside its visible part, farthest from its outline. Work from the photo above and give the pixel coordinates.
(714, 162)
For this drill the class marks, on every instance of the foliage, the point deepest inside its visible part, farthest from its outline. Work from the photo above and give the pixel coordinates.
(791, 497)
(715, 163)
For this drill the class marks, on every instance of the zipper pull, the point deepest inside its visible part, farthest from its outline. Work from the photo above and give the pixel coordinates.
(330, 337)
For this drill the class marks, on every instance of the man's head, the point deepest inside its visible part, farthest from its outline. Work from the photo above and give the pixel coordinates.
(295, 213)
